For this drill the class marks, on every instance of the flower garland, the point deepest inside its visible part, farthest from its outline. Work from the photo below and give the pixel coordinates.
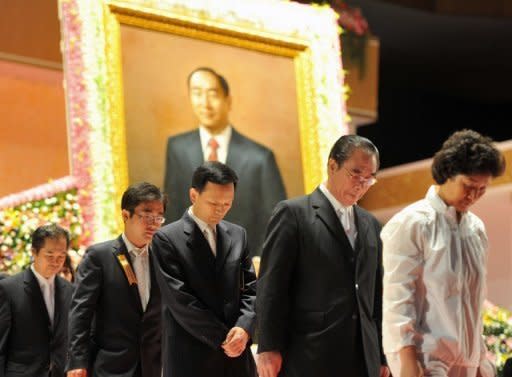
(19, 222)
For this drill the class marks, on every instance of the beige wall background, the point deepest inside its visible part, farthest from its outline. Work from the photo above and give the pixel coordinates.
(155, 70)
(33, 142)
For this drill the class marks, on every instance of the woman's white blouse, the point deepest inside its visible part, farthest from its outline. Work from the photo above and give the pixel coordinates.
(434, 282)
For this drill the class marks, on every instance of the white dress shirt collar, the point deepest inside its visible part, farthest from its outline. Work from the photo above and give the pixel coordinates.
(200, 223)
(440, 206)
(131, 248)
(223, 138)
(140, 260)
(47, 287)
(338, 207)
(208, 231)
(41, 279)
(345, 215)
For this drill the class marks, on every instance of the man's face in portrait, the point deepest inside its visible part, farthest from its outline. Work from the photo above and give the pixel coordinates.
(349, 181)
(212, 204)
(209, 102)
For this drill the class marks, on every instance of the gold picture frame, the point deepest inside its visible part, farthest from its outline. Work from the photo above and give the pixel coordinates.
(94, 80)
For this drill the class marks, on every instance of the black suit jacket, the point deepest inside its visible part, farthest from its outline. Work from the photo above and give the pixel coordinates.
(29, 345)
(259, 187)
(319, 301)
(203, 298)
(109, 332)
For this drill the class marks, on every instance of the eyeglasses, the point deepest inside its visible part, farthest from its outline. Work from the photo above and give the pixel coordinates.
(150, 219)
(360, 179)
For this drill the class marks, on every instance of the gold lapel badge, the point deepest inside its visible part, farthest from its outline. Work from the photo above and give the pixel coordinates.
(127, 268)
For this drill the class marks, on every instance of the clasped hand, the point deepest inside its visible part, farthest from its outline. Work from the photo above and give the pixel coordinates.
(235, 342)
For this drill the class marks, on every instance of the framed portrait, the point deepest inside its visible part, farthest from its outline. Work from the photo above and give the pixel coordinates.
(126, 65)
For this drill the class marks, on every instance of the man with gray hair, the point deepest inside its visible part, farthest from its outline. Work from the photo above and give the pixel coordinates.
(319, 296)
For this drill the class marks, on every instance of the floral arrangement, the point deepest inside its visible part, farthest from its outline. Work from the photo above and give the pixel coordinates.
(354, 30)
(498, 334)
(17, 224)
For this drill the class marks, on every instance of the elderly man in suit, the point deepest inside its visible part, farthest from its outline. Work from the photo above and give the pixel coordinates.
(207, 282)
(34, 307)
(115, 315)
(319, 301)
(260, 185)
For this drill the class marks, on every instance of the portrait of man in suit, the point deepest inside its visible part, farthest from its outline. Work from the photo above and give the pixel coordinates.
(260, 184)
(319, 301)
(115, 316)
(207, 283)
(34, 306)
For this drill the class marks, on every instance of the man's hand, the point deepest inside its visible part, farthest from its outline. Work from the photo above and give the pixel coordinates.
(235, 342)
(269, 363)
(77, 373)
(384, 371)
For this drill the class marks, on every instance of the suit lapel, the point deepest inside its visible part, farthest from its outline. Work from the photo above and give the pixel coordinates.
(362, 231)
(58, 302)
(119, 250)
(236, 155)
(194, 151)
(223, 246)
(34, 290)
(198, 245)
(326, 213)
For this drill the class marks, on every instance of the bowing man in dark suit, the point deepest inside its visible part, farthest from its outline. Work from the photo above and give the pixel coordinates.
(34, 306)
(260, 185)
(207, 282)
(115, 318)
(319, 301)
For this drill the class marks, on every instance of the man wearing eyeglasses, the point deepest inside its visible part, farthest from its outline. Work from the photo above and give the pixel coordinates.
(115, 317)
(319, 298)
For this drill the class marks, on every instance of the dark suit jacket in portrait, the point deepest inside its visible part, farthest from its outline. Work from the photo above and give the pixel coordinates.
(30, 346)
(203, 297)
(109, 332)
(319, 300)
(259, 186)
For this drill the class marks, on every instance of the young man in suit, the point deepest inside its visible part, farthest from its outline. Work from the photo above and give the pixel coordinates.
(34, 306)
(260, 185)
(115, 317)
(207, 282)
(320, 285)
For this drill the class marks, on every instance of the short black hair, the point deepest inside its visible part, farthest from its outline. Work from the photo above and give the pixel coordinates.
(51, 231)
(467, 152)
(222, 81)
(347, 144)
(214, 172)
(139, 193)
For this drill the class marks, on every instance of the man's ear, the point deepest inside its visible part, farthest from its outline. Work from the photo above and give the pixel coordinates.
(126, 215)
(192, 193)
(332, 166)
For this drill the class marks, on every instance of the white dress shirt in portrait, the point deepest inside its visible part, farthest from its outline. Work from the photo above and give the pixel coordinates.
(222, 139)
